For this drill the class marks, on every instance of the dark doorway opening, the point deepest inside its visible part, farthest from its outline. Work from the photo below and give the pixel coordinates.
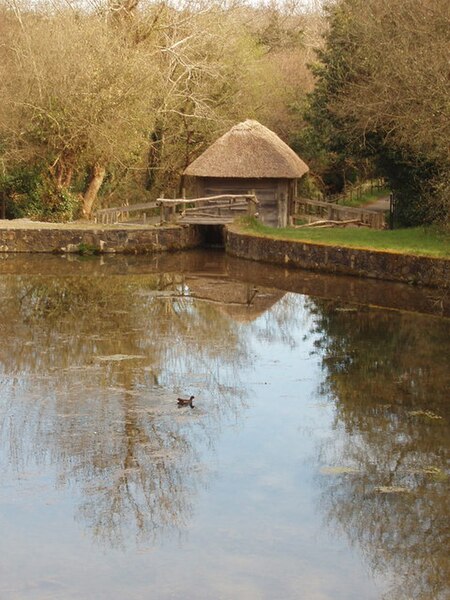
(213, 236)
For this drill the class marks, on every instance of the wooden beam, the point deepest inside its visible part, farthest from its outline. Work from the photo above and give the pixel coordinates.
(196, 220)
(328, 223)
(127, 208)
(176, 201)
(235, 206)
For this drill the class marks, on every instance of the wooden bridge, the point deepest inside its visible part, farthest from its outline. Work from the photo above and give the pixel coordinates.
(223, 209)
(210, 210)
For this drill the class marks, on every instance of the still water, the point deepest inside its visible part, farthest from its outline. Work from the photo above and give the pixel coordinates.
(314, 465)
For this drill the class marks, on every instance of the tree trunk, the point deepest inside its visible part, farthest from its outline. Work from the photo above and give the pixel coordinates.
(67, 179)
(154, 155)
(90, 195)
(62, 172)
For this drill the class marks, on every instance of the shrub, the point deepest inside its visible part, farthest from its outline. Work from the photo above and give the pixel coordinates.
(31, 194)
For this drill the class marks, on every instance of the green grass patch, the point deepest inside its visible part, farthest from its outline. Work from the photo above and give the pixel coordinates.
(87, 249)
(419, 241)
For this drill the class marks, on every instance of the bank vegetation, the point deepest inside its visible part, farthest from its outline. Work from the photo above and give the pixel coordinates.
(418, 241)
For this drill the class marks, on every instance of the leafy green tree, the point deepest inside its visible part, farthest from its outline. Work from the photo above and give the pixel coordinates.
(381, 99)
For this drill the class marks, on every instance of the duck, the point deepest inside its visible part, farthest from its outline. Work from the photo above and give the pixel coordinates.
(186, 401)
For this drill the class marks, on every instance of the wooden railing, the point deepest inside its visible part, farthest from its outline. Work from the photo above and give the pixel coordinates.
(334, 212)
(108, 216)
(222, 208)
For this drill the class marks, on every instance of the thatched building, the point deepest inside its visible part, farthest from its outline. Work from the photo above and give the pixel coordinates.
(249, 158)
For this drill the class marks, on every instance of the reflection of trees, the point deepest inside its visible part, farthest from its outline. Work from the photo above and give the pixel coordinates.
(69, 321)
(388, 376)
(142, 476)
(110, 427)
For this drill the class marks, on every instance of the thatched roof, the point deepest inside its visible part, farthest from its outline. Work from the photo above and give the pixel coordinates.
(248, 150)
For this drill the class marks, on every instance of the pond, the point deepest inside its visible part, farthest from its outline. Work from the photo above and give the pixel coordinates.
(313, 465)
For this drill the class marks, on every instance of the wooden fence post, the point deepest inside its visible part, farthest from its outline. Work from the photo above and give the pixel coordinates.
(161, 211)
(183, 195)
(251, 205)
(282, 209)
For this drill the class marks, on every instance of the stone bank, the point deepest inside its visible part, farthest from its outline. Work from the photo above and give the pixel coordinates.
(54, 238)
(134, 239)
(389, 266)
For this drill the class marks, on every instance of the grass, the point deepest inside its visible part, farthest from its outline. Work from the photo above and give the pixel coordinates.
(418, 241)
(366, 198)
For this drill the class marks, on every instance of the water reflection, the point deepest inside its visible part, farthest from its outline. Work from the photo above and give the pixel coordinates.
(97, 363)
(338, 287)
(385, 465)
(94, 355)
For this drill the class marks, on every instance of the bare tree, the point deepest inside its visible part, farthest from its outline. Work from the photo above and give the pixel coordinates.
(77, 96)
(89, 87)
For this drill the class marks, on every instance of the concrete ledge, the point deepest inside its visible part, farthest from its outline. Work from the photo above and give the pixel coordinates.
(128, 240)
(389, 266)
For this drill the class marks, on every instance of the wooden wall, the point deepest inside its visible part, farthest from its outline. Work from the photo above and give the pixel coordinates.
(275, 195)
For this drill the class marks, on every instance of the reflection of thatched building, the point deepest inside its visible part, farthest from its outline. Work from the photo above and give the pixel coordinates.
(240, 301)
(250, 157)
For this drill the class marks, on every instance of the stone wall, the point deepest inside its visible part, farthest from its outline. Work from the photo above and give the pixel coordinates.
(132, 240)
(316, 257)
(333, 259)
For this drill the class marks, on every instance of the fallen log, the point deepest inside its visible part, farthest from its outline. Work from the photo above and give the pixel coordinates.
(320, 224)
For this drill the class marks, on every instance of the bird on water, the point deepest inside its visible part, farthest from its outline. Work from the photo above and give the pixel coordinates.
(186, 401)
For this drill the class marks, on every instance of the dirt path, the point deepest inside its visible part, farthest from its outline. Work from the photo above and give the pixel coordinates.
(85, 225)
(380, 205)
